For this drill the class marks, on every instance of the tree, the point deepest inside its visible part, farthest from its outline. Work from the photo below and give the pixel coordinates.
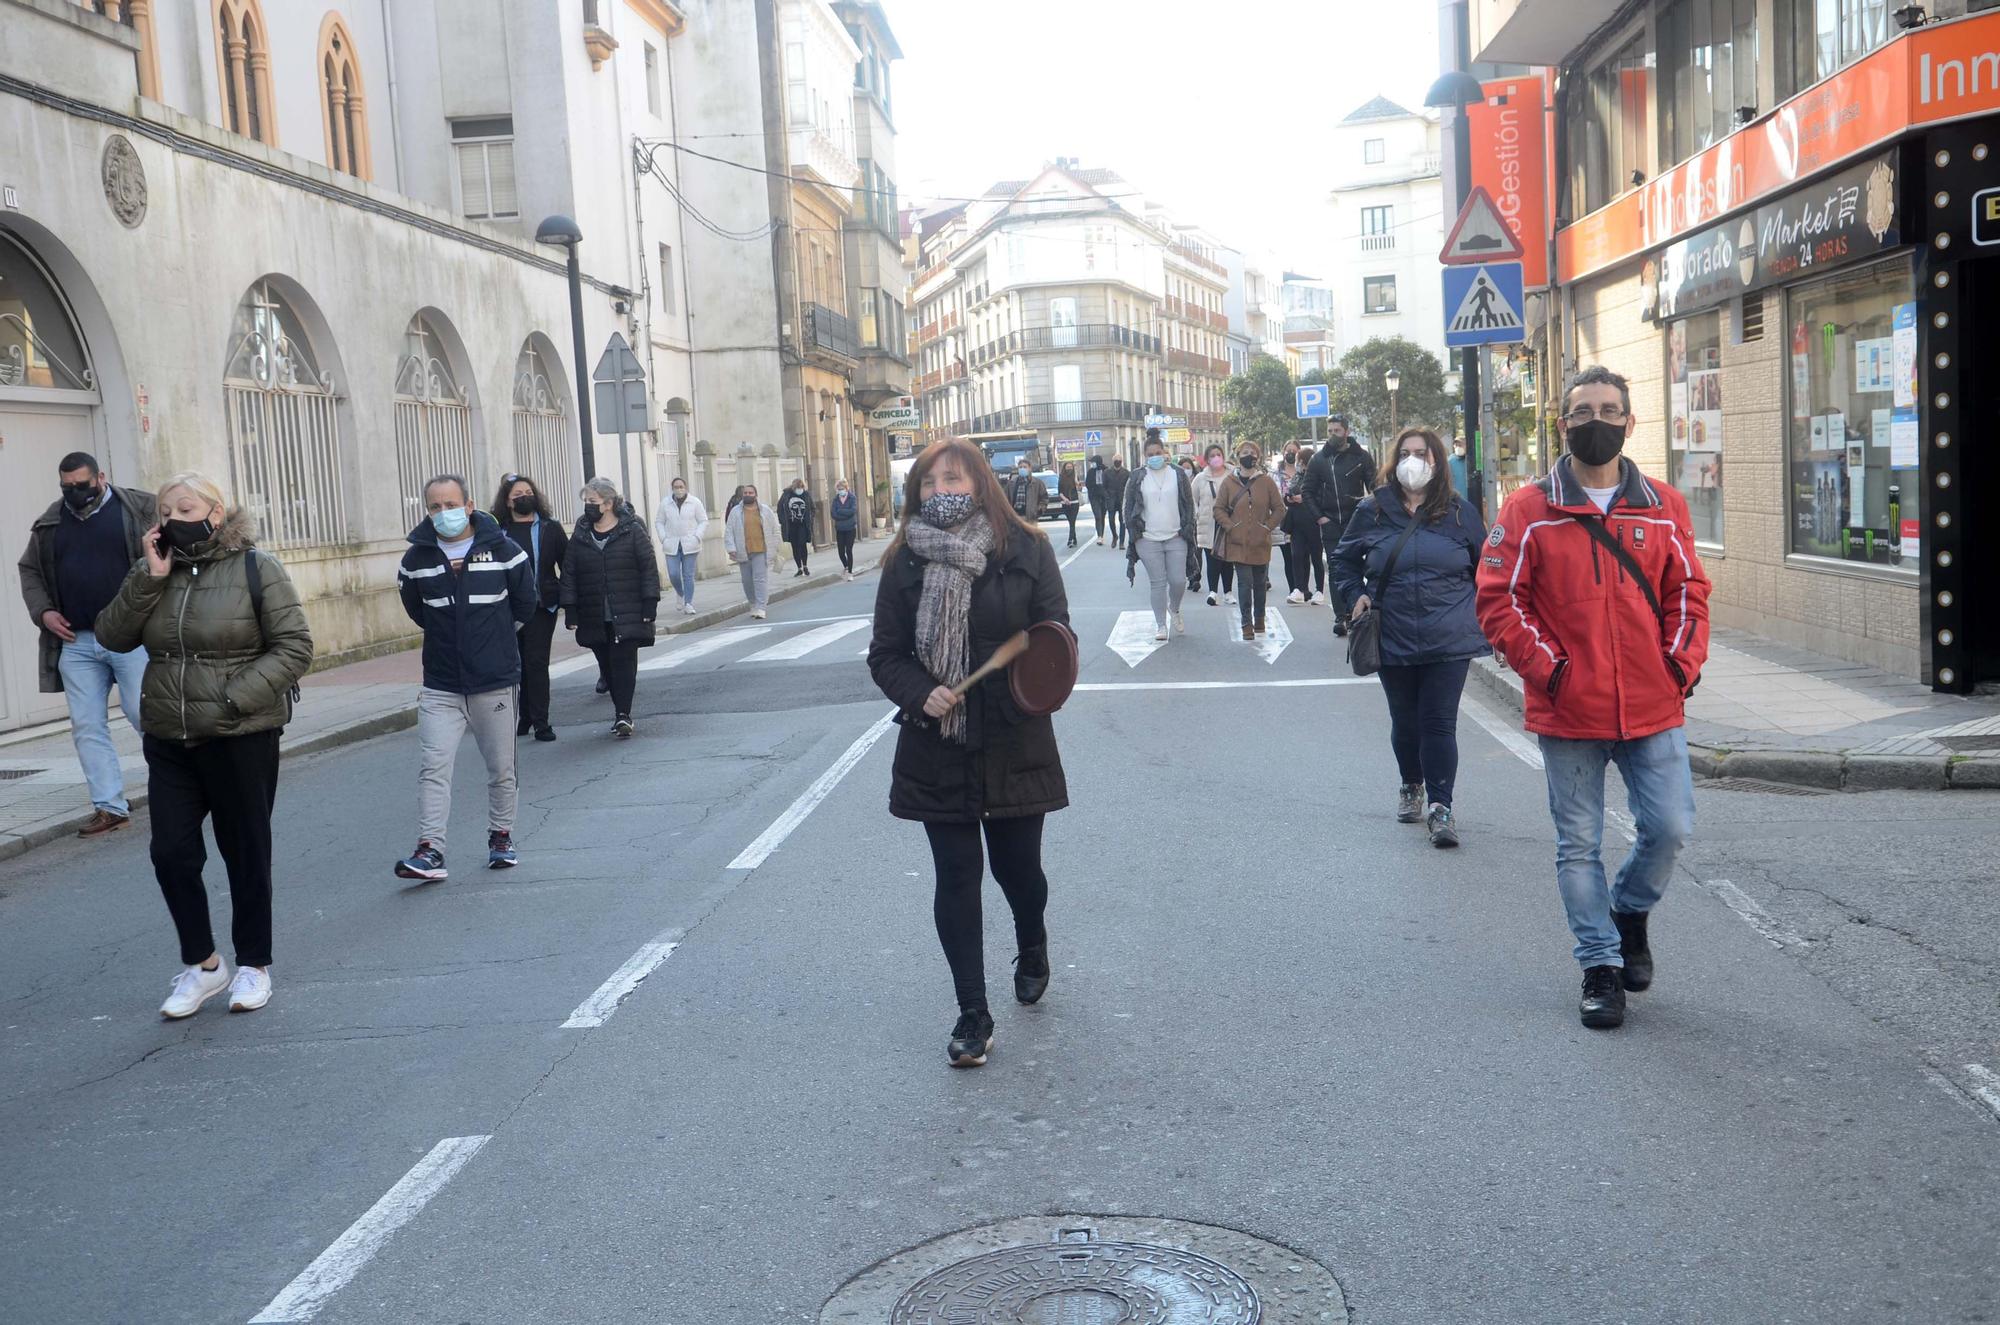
(1258, 404)
(1361, 393)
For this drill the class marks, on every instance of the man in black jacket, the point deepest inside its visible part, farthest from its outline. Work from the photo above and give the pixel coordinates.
(469, 588)
(1115, 479)
(1336, 481)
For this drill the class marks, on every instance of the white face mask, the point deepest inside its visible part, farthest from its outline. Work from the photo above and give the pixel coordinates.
(1414, 473)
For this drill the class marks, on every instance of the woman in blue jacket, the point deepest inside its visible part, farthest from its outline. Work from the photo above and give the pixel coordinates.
(1430, 629)
(846, 519)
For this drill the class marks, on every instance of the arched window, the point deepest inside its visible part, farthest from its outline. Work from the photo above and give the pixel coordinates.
(544, 448)
(138, 16)
(40, 346)
(433, 414)
(284, 431)
(341, 104)
(244, 61)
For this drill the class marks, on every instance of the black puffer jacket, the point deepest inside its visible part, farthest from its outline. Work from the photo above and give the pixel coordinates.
(622, 573)
(1009, 766)
(1337, 481)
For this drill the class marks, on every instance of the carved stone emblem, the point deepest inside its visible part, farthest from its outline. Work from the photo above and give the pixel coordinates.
(124, 181)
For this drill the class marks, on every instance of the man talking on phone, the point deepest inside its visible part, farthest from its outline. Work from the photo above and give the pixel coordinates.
(78, 554)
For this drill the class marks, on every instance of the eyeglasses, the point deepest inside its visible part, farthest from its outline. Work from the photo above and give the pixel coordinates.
(1608, 413)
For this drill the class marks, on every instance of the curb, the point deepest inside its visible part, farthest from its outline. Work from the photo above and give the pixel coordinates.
(1820, 770)
(405, 717)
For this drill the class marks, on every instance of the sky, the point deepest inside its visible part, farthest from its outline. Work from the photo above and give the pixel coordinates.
(1213, 109)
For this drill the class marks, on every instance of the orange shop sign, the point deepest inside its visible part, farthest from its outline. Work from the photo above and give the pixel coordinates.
(1942, 72)
(1510, 160)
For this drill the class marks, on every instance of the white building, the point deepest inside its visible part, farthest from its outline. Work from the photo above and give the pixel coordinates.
(1311, 342)
(1389, 222)
(1255, 308)
(291, 245)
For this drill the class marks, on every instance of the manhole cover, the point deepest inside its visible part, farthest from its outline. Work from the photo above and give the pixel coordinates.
(1767, 788)
(1080, 1281)
(1077, 1269)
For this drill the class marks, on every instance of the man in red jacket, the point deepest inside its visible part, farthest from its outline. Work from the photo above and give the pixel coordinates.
(1591, 589)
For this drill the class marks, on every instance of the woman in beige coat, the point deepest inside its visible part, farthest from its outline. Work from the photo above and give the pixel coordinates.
(1247, 511)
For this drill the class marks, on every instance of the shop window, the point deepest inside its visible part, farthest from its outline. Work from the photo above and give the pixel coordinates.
(1695, 419)
(1851, 417)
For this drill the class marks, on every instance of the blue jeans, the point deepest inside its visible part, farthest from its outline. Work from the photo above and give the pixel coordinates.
(680, 573)
(1660, 789)
(88, 669)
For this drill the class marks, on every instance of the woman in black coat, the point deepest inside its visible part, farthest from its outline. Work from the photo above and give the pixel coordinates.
(1430, 628)
(523, 516)
(964, 574)
(611, 592)
(795, 516)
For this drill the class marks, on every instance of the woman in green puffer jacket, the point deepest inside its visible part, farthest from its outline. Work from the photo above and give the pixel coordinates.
(223, 658)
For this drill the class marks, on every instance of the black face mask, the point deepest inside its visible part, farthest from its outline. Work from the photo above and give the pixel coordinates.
(592, 512)
(79, 496)
(1597, 442)
(186, 535)
(523, 505)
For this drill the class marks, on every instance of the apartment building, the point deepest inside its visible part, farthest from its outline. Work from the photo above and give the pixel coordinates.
(1311, 339)
(1254, 307)
(1388, 220)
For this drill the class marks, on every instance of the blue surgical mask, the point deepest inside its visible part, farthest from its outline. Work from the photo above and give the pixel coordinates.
(451, 523)
(1156, 462)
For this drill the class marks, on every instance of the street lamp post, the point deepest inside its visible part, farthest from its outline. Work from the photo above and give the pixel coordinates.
(564, 232)
(1394, 381)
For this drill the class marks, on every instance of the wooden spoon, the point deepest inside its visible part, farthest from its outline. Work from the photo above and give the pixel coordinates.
(1002, 656)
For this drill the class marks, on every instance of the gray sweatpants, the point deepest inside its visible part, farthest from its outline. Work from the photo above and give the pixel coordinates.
(756, 570)
(1165, 561)
(442, 718)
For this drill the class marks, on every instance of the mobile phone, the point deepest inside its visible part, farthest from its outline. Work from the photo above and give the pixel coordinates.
(160, 543)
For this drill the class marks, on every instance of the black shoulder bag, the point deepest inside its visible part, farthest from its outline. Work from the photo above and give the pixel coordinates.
(1364, 634)
(1594, 526)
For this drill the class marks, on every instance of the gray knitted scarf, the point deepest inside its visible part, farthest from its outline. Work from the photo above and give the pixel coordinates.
(953, 559)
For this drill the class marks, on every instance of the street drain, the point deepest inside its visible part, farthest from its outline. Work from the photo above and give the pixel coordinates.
(1766, 788)
(15, 774)
(1092, 1270)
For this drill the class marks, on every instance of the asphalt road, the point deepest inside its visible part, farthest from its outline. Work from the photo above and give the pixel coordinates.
(1273, 1009)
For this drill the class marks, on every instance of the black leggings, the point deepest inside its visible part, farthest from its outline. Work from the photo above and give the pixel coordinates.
(1423, 723)
(800, 548)
(1015, 847)
(1221, 575)
(1097, 513)
(618, 664)
(1069, 513)
(845, 538)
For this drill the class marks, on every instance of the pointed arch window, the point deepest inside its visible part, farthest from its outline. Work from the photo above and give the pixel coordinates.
(342, 105)
(138, 16)
(244, 62)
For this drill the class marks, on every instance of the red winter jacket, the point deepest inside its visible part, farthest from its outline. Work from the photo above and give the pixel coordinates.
(1595, 663)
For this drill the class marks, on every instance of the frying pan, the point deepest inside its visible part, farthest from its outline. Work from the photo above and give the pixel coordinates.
(1041, 664)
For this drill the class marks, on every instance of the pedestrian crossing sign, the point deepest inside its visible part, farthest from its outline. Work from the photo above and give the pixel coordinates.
(1482, 304)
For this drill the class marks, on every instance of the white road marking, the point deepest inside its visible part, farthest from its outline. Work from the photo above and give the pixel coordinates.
(701, 648)
(1082, 548)
(802, 621)
(1271, 643)
(1227, 685)
(798, 646)
(1759, 919)
(576, 664)
(1132, 637)
(301, 1299)
(600, 1005)
(1986, 1085)
(1511, 737)
(781, 828)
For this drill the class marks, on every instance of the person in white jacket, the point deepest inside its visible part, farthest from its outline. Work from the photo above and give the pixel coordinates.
(1208, 483)
(680, 523)
(748, 536)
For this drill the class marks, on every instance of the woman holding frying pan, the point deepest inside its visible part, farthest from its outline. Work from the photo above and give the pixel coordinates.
(963, 578)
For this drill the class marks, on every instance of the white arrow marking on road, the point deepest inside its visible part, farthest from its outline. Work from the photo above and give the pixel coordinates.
(1132, 638)
(1272, 642)
(302, 1298)
(701, 648)
(798, 646)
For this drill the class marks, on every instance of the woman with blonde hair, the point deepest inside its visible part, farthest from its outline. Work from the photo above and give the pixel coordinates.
(227, 642)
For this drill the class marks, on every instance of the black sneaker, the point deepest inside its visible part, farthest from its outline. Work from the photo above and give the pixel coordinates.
(523, 727)
(1410, 803)
(1339, 628)
(1633, 948)
(545, 733)
(622, 729)
(603, 686)
(1031, 973)
(426, 863)
(500, 851)
(971, 1037)
(1443, 833)
(1603, 1005)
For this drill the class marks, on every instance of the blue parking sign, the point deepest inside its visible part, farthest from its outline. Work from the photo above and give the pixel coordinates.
(1314, 401)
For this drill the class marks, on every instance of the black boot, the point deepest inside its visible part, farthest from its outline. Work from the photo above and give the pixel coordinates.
(971, 1037)
(1633, 947)
(1603, 1005)
(1031, 973)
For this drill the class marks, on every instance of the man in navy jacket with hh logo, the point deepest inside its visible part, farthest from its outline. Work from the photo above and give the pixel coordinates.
(470, 589)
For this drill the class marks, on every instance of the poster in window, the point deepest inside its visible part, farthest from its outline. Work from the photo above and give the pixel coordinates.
(1704, 410)
(1874, 364)
(1903, 439)
(1801, 374)
(1904, 327)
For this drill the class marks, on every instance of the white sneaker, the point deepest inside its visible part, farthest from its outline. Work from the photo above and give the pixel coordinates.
(1229, 598)
(687, 609)
(192, 988)
(1180, 626)
(758, 614)
(1295, 597)
(1316, 600)
(250, 990)
(1212, 600)
(1159, 632)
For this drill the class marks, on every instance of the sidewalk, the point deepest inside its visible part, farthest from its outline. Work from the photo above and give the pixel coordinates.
(1772, 713)
(42, 793)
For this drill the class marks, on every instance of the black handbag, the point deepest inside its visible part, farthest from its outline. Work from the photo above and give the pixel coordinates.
(1364, 633)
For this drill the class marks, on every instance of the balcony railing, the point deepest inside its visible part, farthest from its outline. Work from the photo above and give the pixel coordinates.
(1090, 335)
(1197, 363)
(1056, 413)
(1385, 243)
(1188, 254)
(831, 332)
